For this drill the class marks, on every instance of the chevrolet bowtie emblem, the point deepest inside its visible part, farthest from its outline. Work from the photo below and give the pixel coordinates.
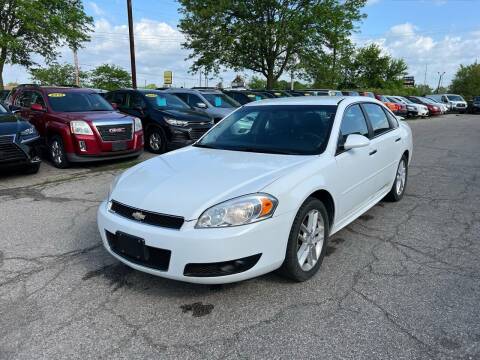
(137, 215)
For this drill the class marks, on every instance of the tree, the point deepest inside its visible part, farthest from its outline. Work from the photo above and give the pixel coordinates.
(264, 36)
(40, 27)
(56, 74)
(257, 83)
(151, 86)
(467, 81)
(110, 77)
(372, 69)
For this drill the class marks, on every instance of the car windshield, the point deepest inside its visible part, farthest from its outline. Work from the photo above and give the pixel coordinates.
(221, 101)
(77, 102)
(161, 101)
(279, 129)
(405, 100)
(429, 101)
(455, 98)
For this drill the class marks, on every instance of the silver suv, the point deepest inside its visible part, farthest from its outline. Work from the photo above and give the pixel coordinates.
(213, 102)
(453, 101)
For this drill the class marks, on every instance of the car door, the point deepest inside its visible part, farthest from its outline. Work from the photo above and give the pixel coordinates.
(38, 118)
(356, 167)
(385, 143)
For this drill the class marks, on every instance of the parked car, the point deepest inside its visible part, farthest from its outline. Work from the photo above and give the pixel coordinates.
(19, 143)
(78, 125)
(367, 94)
(396, 107)
(453, 101)
(277, 93)
(264, 93)
(3, 96)
(244, 96)
(239, 204)
(213, 102)
(413, 109)
(324, 92)
(296, 93)
(474, 106)
(169, 123)
(350, 93)
(432, 109)
(443, 107)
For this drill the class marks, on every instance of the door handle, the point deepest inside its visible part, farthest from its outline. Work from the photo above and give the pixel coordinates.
(398, 139)
(372, 152)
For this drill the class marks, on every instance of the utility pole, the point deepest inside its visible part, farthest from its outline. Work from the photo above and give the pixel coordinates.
(439, 80)
(291, 81)
(200, 77)
(132, 44)
(425, 79)
(77, 68)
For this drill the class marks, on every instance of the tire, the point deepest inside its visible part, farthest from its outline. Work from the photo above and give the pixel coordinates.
(156, 141)
(32, 169)
(400, 183)
(57, 153)
(313, 247)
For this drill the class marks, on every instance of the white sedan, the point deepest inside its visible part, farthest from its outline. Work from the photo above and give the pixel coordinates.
(262, 190)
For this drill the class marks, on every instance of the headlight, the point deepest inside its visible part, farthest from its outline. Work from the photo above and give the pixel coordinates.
(176, 122)
(28, 134)
(112, 186)
(80, 128)
(137, 124)
(239, 211)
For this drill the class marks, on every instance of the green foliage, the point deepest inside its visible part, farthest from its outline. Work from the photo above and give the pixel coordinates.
(56, 74)
(265, 36)
(257, 83)
(151, 86)
(467, 81)
(110, 77)
(40, 27)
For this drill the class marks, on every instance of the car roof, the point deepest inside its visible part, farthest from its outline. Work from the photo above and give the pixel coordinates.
(312, 100)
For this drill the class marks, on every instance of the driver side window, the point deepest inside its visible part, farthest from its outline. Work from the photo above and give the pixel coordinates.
(353, 122)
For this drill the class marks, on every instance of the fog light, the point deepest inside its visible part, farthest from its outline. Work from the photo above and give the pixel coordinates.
(82, 145)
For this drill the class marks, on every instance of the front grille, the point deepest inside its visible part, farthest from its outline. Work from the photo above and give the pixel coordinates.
(154, 258)
(461, 105)
(196, 134)
(147, 217)
(9, 151)
(115, 132)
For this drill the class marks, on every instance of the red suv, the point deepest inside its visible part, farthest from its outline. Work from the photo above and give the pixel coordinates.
(78, 125)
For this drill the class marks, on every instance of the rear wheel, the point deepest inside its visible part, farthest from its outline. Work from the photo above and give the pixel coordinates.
(307, 241)
(156, 141)
(400, 182)
(57, 153)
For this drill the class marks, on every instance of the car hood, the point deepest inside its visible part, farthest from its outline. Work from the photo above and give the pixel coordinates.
(10, 124)
(93, 116)
(188, 181)
(188, 115)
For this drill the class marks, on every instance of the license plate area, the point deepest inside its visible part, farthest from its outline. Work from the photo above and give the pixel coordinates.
(119, 146)
(131, 247)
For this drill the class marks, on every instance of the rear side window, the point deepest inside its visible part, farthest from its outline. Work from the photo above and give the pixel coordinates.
(378, 118)
(24, 99)
(353, 122)
(391, 119)
(37, 98)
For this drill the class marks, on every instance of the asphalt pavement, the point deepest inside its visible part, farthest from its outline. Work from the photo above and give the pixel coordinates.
(401, 282)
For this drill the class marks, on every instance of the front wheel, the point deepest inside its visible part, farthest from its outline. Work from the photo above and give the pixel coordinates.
(57, 153)
(307, 242)
(400, 182)
(156, 142)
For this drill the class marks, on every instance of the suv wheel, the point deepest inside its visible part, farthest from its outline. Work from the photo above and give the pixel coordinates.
(57, 153)
(156, 141)
(307, 242)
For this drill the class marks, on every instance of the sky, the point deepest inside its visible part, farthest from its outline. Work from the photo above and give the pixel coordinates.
(432, 36)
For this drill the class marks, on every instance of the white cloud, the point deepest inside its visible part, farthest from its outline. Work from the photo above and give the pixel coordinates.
(419, 50)
(97, 10)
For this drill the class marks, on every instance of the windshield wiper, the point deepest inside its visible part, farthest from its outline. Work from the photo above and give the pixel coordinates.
(260, 150)
(206, 146)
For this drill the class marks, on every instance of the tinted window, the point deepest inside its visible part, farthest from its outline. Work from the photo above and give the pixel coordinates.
(455, 98)
(136, 102)
(378, 118)
(161, 100)
(220, 100)
(77, 102)
(37, 98)
(284, 129)
(119, 98)
(353, 123)
(24, 99)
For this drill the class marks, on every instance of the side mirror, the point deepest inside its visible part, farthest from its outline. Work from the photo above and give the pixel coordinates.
(37, 107)
(355, 141)
(201, 105)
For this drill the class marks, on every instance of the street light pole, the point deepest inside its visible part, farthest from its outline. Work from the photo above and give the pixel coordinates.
(439, 80)
(132, 44)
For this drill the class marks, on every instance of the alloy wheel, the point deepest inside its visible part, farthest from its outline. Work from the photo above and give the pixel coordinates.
(57, 152)
(401, 177)
(310, 240)
(155, 141)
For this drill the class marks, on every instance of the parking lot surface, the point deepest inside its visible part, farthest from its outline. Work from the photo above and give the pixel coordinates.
(401, 282)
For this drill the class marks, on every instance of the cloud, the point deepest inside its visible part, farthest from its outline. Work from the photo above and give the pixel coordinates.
(97, 10)
(420, 50)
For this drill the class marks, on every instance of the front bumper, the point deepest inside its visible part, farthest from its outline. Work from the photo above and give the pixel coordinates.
(204, 246)
(18, 153)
